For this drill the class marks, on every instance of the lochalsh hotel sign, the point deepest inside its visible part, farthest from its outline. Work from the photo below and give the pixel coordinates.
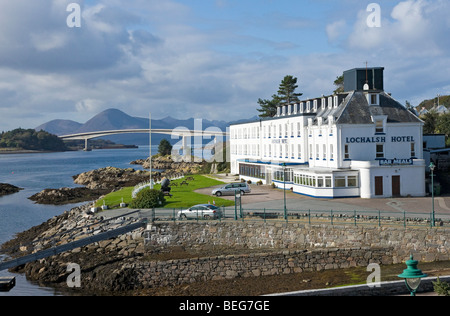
(379, 139)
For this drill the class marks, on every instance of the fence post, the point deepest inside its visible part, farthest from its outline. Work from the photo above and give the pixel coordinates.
(309, 216)
(404, 219)
(331, 213)
(379, 218)
(354, 216)
(264, 215)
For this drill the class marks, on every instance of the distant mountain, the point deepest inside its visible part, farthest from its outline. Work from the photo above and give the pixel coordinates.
(111, 119)
(59, 127)
(114, 119)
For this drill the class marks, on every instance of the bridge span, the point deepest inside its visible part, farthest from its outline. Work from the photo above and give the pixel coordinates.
(180, 132)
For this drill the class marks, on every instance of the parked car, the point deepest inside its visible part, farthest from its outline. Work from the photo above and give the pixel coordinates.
(231, 188)
(201, 211)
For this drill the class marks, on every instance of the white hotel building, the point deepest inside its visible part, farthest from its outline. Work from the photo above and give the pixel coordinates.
(360, 143)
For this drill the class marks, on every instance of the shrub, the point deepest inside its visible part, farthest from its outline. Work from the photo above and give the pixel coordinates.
(441, 288)
(148, 198)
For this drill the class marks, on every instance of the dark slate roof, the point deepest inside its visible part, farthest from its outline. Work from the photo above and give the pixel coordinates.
(356, 110)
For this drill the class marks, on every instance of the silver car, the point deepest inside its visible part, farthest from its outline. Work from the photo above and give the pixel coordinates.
(206, 211)
(231, 188)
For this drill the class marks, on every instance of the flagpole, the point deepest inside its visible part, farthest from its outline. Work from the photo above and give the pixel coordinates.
(150, 149)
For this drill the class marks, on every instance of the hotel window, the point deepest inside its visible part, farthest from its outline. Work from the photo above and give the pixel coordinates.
(379, 127)
(292, 129)
(299, 154)
(373, 98)
(380, 151)
(315, 106)
(328, 181)
(292, 151)
(346, 152)
(310, 151)
(352, 181)
(339, 182)
(413, 150)
(331, 152)
(298, 129)
(317, 151)
(320, 182)
(286, 127)
(286, 150)
(324, 152)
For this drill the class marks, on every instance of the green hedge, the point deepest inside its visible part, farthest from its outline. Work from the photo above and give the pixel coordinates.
(148, 198)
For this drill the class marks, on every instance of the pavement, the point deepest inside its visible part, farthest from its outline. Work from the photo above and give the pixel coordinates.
(264, 196)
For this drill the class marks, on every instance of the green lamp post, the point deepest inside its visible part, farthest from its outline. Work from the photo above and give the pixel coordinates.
(412, 275)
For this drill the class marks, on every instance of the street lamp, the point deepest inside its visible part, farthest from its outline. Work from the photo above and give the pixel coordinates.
(412, 275)
(432, 167)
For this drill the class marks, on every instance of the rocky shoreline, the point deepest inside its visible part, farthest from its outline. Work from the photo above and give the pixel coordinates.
(102, 263)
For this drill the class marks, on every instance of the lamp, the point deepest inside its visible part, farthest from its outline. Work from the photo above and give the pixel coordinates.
(432, 167)
(412, 275)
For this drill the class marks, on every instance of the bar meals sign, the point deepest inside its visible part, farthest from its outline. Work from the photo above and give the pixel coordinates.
(395, 162)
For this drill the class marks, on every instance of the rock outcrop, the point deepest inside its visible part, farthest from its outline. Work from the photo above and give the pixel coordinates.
(111, 178)
(169, 166)
(67, 195)
(102, 263)
(6, 189)
(96, 184)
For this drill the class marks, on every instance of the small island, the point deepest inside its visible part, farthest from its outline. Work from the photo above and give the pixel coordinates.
(30, 140)
(7, 189)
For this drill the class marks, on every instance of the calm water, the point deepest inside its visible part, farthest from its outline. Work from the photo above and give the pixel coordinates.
(35, 172)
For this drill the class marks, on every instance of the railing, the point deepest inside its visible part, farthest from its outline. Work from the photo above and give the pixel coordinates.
(139, 187)
(329, 217)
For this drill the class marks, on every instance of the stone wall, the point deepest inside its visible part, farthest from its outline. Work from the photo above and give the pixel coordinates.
(175, 272)
(425, 243)
(307, 248)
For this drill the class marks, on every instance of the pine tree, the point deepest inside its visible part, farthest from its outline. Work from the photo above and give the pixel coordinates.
(268, 107)
(286, 95)
(286, 91)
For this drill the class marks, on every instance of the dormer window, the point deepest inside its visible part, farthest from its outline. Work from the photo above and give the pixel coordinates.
(379, 127)
(380, 123)
(373, 99)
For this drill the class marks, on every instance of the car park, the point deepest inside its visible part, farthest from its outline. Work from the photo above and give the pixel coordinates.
(205, 211)
(230, 189)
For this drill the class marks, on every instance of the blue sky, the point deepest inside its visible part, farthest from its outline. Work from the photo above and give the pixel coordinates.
(208, 59)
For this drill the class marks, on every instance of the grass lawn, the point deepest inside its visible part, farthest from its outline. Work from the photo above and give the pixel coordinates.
(183, 196)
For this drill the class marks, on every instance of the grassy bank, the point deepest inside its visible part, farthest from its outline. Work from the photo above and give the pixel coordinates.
(183, 195)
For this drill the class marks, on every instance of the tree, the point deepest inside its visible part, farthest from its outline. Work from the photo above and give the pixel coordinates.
(339, 84)
(269, 107)
(286, 91)
(286, 95)
(431, 119)
(164, 148)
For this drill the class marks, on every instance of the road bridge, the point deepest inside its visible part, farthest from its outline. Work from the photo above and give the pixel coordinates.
(180, 132)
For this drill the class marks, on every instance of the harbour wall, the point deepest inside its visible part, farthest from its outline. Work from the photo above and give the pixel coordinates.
(297, 248)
